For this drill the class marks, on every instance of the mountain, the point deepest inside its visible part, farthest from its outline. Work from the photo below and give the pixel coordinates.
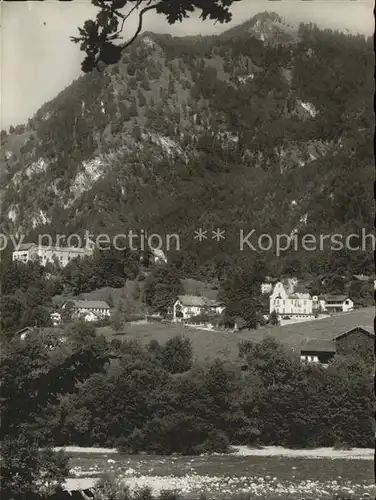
(267, 27)
(267, 126)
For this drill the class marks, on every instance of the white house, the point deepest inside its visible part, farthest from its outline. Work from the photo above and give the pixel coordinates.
(336, 303)
(90, 310)
(24, 332)
(30, 251)
(90, 316)
(288, 299)
(267, 286)
(55, 318)
(159, 256)
(188, 306)
(154, 256)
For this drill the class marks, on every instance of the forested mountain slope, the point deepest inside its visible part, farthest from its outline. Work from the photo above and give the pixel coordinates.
(266, 126)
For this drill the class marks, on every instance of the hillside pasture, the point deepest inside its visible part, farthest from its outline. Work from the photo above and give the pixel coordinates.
(209, 344)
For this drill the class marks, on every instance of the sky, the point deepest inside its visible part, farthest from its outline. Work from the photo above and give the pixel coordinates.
(38, 60)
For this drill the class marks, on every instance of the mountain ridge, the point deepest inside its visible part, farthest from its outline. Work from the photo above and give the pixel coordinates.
(184, 132)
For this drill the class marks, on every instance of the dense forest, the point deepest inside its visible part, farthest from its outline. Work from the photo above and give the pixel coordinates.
(71, 386)
(225, 131)
(147, 396)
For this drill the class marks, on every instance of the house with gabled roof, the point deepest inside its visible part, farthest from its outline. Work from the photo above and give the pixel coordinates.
(362, 277)
(356, 341)
(359, 340)
(188, 306)
(89, 310)
(53, 337)
(24, 332)
(336, 303)
(318, 351)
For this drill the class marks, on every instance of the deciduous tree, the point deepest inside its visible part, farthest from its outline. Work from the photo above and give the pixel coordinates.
(31, 380)
(96, 38)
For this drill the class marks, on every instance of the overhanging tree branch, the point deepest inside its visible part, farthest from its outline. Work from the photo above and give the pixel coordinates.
(124, 18)
(140, 21)
(97, 37)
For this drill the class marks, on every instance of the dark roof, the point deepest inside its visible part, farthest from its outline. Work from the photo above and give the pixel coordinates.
(337, 298)
(315, 345)
(367, 330)
(193, 300)
(46, 331)
(91, 304)
(361, 277)
(270, 279)
(52, 330)
(24, 246)
(287, 282)
(25, 329)
(300, 295)
(300, 288)
(191, 286)
(197, 301)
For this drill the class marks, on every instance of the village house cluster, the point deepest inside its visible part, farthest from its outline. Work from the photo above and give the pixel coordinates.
(289, 300)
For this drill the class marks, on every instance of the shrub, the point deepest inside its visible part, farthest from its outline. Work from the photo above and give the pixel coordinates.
(177, 355)
(217, 441)
(170, 495)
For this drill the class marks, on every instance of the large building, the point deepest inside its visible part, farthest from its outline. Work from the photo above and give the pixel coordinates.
(30, 251)
(89, 310)
(289, 299)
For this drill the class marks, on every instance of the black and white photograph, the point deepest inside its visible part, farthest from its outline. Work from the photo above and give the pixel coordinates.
(187, 250)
